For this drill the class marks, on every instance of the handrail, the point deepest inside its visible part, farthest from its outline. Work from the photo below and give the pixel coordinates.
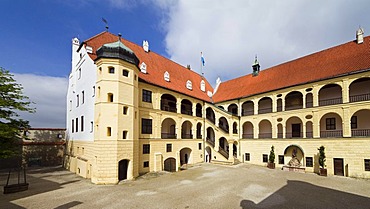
(332, 133)
(359, 98)
(360, 132)
(168, 136)
(223, 152)
(333, 101)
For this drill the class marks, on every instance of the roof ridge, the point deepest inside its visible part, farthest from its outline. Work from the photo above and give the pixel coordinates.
(299, 58)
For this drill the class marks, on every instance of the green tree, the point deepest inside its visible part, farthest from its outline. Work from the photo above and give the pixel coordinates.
(272, 155)
(12, 101)
(322, 157)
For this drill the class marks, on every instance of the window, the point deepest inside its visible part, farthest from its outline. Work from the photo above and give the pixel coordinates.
(330, 123)
(264, 158)
(111, 70)
(76, 124)
(354, 122)
(77, 100)
(281, 159)
(309, 162)
(91, 127)
(147, 96)
(146, 148)
(125, 73)
(146, 164)
(82, 123)
(100, 70)
(124, 135)
(247, 156)
(125, 110)
(367, 164)
(79, 73)
(73, 126)
(93, 93)
(146, 126)
(200, 146)
(110, 97)
(143, 67)
(168, 147)
(70, 105)
(83, 97)
(135, 77)
(189, 85)
(166, 76)
(109, 131)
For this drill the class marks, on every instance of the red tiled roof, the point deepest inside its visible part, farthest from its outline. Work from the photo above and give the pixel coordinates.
(156, 67)
(339, 60)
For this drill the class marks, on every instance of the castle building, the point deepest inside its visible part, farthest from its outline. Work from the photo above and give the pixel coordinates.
(131, 111)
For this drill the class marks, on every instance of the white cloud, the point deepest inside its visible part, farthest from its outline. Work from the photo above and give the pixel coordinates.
(49, 95)
(231, 33)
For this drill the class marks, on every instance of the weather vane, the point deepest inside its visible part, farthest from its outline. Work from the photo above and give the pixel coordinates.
(106, 23)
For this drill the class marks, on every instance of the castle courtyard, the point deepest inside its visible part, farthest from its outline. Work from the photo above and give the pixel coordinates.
(200, 186)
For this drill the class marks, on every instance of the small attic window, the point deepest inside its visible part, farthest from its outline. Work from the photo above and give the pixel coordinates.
(166, 76)
(143, 67)
(203, 85)
(146, 46)
(89, 49)
(189, 85)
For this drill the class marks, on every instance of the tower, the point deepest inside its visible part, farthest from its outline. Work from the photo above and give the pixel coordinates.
(116, 114)
(256, 67)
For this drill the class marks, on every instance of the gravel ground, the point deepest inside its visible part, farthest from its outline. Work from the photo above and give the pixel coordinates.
(201, 186)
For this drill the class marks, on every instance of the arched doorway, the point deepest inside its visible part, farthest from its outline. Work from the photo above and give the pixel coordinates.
(170, 164)
(185, 156)
(208, 154)
(122, 169)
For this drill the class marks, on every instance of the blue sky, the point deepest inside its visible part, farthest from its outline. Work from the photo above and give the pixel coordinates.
(36, 36)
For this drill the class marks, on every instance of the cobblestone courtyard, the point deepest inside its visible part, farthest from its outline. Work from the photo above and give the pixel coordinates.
(201, 186)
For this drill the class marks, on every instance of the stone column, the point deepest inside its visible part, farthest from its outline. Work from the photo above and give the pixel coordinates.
(315, 124)
(231, 150)
(346, 120)
(255, 102)
(345, 91)
(315, 95)
(304, 130)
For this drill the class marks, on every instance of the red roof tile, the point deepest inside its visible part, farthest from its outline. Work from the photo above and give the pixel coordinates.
(157, 65)
(339, 60)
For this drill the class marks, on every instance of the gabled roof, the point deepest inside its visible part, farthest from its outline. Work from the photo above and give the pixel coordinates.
(336, 61)
(157, 65)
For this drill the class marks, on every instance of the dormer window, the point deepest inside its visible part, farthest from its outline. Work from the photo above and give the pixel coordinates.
(146, 46)
(89, 49)
(203, 85)
(111, 70)
(167, 76)
(143, 67)
(189, 85)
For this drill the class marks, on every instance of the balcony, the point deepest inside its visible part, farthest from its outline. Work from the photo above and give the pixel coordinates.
(168, 136)
(265, 110)
(293, 107)
(210, 118)
(186, 111)
(247, 136)
(330, 101)
(294, 135)
(248, 112)
(186, 136)
(359, 98)
(360, 133)
(331, 134)
(168, 108)
(265, 135)
(212, 143)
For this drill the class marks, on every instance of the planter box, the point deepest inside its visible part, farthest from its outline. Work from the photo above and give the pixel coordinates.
(271, 165)
(15, 188)
(323, 172)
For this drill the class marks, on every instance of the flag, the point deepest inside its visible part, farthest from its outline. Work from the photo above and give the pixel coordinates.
(202, 59)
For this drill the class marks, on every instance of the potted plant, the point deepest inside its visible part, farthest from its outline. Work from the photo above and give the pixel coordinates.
(271, 162)
(322, 159)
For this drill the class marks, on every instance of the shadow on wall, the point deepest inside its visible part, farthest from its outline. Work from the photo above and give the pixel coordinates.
(46, 149)
(297, 194)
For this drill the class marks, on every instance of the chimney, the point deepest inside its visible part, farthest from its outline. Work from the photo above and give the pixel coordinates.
(360, 35)
(256, 67)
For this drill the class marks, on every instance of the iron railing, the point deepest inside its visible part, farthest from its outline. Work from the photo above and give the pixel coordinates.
(168, 108)
(293, 135)
(361, 132)
(199, 136)
(247, 136)
(212, 143)
(309, 134)
(247, 112)
(293, 107)
(359, 98)
(330, 101)
(168, 136)
(210, 118)
(265, 135)
(186, 136)
(186, 111)
(265, 110)
(329, 134)
(223, 152)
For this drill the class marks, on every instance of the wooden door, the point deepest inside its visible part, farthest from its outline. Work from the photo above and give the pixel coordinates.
(338, 167)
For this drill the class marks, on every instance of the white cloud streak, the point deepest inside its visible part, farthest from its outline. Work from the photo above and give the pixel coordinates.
(49, 95)
(231, 33)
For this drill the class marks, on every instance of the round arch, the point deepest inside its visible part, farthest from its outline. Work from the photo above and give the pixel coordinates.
(294, 127)
(265, 129)
(330, 94)
(168, 129)
(331, 125)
